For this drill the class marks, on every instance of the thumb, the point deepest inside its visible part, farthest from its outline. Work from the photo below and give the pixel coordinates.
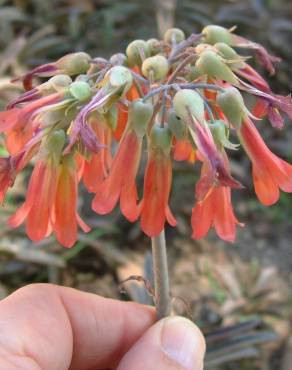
(174, 343)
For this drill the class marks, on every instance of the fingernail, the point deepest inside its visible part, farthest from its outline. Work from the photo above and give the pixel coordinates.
(182, 341)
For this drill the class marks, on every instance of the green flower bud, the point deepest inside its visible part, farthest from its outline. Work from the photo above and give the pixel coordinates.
(74, 63)
(136, 51)
(158, 65)
(232, 104)
(154, 46)
(160, 138)
(140, 115)
(213, 34)
(230, 55)
(219, 133)
(60, 82)
(186, 102)
(176, 125)
(120, 76)
(211, 64)
(174, 36)
(80, 90)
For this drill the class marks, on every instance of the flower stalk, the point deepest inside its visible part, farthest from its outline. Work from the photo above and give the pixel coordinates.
(161, 276)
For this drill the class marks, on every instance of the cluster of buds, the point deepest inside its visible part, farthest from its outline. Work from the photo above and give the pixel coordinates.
(178, 98)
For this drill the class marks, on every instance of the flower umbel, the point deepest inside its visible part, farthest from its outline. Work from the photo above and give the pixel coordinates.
(96, 120)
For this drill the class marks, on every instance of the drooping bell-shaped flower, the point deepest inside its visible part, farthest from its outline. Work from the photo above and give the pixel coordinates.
(65, 218)
(189, 106)
(51, 198)
(215, 210)
(270, 173)
(155, 210)
(213, 34)
(121, 180)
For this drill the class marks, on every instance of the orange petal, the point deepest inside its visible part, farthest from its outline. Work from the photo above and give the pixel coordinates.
(65, 217)
(157, 183)
(202, 217)
(266, 187)
(35, 182)
(39, 215)
(123, 171)
(224, 220)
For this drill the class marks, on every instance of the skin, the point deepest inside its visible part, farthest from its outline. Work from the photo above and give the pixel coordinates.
(46, 327)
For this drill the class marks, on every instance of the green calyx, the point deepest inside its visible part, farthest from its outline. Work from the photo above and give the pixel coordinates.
(140, 115)
(160, 138)
(174, 36)
(120, 78)
(60, 82)
(232, 104)
(80, 90)
(213, 34)
(229, 54)
(137, 51)
(157, 66)
(74, 63)
(213, 65)
(188, 102)
(176, 125)
(220, 135)
(54, 145)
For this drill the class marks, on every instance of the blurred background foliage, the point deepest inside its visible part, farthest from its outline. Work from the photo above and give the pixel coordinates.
(221, 285)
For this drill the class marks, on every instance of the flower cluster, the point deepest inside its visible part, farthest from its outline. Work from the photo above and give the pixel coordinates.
(179, 98)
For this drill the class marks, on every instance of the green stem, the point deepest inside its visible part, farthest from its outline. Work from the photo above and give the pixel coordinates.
(161, 279)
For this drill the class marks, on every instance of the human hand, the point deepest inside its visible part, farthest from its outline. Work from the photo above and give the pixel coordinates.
(46, 327)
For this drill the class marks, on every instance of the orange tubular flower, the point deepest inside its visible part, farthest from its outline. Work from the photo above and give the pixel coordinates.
(157, 184)
(96, 168)
(121, 181)
(65, 218)
(51, 198)
(215, 210)
(269, 171)
(39, 201)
